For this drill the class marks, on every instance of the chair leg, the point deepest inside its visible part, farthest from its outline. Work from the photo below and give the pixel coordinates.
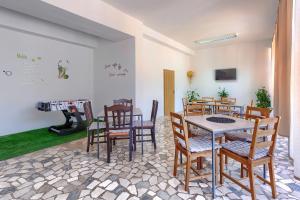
(153, 137)
(130, 146)
(251, 180)
(187, 173)
(221, 168)
(272, 178)
(108, 149)
(134, 140)
(175, 162)
(242, 171)
(200, 161)
(88, 142)
(226, 157)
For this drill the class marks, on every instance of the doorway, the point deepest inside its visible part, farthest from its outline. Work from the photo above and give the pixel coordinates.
(169, 91)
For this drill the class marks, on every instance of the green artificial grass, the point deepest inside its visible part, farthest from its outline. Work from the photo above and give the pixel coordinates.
(33, 140)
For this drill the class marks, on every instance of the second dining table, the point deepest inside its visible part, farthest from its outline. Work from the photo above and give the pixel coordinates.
(215, 124)
(136, 112)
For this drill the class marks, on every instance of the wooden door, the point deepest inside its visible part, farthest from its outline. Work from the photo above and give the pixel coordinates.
(169, 91)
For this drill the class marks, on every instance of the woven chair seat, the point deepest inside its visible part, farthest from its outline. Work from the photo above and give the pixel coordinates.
(118, 133)
(198, 144)
(243, 148)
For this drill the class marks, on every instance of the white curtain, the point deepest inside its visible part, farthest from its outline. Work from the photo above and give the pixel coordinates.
(282, 69)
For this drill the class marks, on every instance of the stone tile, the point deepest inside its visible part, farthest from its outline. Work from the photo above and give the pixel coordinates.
(109, 196)
(123, 196)
(97, 192)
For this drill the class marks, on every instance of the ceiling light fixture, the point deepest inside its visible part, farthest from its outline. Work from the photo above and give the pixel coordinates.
(217, 39)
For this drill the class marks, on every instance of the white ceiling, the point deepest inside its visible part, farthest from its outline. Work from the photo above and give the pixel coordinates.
(58, 16)
(188, 20)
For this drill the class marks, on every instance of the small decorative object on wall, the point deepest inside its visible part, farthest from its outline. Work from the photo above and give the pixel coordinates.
(263, 99)
(7, 73)
(21, 56)
(25, 57)
(116, 69)
(192, 95)
(62, 70)
(190, 75)
(223, 93)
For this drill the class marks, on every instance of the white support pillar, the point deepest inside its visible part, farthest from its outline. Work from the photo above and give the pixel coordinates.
(295, 123)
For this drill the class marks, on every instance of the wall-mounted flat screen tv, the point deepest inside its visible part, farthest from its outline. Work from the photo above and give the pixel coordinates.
(225, 74)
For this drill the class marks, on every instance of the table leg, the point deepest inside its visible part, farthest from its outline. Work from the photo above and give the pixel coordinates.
(213, 178)
(98, 143)
(142, 131)
(241, 111)
(139, 131)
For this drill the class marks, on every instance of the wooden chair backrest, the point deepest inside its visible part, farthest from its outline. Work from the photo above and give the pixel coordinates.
(195, 109)
(87, 106)
(208, 98)
(270, 130)
(220, 107)
(118, 117)
(125, 102)
(228, 100)
(251, 113)
(184, 105)
(179, 129)
(154, 111)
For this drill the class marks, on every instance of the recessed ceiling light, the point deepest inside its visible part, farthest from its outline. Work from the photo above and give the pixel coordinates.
(217, 39)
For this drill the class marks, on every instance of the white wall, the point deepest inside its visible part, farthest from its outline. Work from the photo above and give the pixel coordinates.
(37, 81)
(149, 76)
(106, 87)
(252, 61)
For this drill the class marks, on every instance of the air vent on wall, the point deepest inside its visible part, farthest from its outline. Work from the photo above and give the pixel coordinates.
(217, 39)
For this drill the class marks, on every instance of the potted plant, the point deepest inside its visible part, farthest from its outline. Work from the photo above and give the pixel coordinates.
(263, 99)
(223, 93)
(192, 95)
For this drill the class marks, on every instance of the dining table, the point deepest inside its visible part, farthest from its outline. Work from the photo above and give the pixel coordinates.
(214, 124)
(136, 112)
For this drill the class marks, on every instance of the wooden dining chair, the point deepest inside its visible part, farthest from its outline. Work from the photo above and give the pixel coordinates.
(92, 126)
(118, 127)
(252, 113)
(254, 154)
(148, 125)
(192, 148)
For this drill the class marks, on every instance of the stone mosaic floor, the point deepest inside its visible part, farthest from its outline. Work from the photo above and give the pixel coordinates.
(68, 172)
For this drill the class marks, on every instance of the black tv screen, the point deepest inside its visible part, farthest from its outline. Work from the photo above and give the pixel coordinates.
(226, 74)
